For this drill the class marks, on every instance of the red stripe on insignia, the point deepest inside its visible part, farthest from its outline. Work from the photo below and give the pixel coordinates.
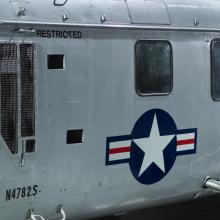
(119, 150)
(184, 142)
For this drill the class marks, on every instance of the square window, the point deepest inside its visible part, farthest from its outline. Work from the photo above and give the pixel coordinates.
(74, 136)
(55, 61)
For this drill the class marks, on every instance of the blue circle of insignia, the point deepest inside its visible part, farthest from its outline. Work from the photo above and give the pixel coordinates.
(142, 129)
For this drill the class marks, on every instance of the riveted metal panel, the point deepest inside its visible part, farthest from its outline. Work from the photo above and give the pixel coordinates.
(216, 15)
(138, 11)
(157, 12)
(148, 12)
(185, 13)
(195, 13)
(85, 11)
(118, 11)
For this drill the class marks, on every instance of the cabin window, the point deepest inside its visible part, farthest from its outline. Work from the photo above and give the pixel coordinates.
(215, 70)
(55, 61)
(153, 67)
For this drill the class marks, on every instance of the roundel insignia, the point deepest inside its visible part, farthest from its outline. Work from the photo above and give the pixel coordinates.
(152, 147)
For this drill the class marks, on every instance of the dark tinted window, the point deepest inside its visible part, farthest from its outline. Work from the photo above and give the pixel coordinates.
(74, 136)
(30, 146)
(153, 67)
(55, 61)
(215, 57)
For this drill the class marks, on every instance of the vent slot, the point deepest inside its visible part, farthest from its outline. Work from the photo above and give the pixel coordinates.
(8, 83)
(27, 90)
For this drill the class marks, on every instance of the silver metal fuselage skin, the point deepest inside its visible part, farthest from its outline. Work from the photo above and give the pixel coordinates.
(96, 92)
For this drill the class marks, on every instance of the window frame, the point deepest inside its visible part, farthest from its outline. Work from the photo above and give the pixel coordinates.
(136, 72)
(211, 67)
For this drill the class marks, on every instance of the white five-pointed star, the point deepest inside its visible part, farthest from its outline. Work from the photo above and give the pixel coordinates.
(153, 147)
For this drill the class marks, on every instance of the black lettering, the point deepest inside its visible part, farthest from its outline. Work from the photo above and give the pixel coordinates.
(39, 33)
(23, 192)
(35, 190)
(65, 34)
(13, 194)
(19, 190)
(48, 34)
(75, 34)
(58, 34)
(53, 33)
(44, 33)
(8, 194)
(70, 34)
(29, 191)
(79, 34)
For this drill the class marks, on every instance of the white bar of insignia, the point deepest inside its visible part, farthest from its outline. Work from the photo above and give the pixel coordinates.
(119, 156)
(185, 147)
(119, 144)
(188, 136)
